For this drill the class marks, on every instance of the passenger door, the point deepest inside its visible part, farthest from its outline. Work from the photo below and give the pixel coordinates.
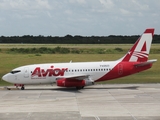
(26, 72)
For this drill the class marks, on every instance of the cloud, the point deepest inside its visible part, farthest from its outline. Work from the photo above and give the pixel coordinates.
(125, 12)
(107, 3)
(69, 12)
(139, 6)
(42, 4)
(82, 17)
(24, 4)
(78, 1)
(25, 9)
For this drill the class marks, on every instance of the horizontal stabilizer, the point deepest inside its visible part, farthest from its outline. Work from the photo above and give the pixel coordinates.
(145, 63)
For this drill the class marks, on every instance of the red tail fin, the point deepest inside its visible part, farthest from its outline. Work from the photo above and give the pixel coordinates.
(140, 50)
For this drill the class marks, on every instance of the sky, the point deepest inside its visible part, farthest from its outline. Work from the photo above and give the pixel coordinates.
(78, 17)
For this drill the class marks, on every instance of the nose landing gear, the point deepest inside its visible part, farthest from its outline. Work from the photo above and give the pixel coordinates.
(21, 85)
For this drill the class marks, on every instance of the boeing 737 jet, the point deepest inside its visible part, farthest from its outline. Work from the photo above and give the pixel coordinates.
(80, 74)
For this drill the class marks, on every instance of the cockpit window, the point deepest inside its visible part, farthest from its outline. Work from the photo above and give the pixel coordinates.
(15, 71)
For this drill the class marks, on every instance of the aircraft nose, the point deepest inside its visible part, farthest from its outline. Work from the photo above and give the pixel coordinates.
(5, 77)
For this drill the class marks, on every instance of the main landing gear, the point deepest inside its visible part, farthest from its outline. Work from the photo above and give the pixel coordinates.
(22, 87)
(81, 87)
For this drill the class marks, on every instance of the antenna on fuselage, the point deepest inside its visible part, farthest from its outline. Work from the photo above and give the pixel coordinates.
(71, 61)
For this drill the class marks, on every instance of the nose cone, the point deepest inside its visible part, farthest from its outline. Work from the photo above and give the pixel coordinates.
(5, 77)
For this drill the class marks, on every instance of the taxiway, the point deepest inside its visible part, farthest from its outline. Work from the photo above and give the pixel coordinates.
(99, 102)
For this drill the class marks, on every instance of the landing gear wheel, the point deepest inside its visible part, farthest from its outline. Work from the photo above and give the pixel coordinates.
(22, 88)
(78, 88)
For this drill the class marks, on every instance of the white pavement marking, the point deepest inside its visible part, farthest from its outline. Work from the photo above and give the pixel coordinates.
(97, 118)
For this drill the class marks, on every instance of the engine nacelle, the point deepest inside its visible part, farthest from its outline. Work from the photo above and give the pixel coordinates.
(73, 83)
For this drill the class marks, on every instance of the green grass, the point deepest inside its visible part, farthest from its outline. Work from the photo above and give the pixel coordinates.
(70, 48)
(108, 46)
(10, 61)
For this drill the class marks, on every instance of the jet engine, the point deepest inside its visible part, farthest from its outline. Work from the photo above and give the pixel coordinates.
(73, 83)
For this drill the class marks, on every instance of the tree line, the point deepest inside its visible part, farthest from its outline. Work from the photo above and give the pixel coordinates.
(69, 39)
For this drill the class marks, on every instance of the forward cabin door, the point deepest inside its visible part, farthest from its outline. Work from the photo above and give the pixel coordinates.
(26, 72)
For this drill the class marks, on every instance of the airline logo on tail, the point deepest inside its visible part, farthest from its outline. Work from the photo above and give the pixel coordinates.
(140, 51)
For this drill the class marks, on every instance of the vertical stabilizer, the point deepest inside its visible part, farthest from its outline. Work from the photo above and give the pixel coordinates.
(140, 50)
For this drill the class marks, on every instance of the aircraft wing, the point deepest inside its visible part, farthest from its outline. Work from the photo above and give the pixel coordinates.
(77, 77)
(145, 63)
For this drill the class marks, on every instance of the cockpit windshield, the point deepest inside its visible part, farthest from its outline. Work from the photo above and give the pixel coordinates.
(15, 71)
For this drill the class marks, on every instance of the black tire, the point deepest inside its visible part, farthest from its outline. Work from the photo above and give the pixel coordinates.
(78, 88)
(22, 88)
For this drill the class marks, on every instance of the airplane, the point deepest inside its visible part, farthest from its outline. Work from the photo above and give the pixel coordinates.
(80, 74)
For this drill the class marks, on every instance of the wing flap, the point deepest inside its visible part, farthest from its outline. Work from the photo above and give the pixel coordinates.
(77, 77)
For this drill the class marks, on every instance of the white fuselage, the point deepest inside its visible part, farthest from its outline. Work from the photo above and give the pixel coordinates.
(48, 73)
